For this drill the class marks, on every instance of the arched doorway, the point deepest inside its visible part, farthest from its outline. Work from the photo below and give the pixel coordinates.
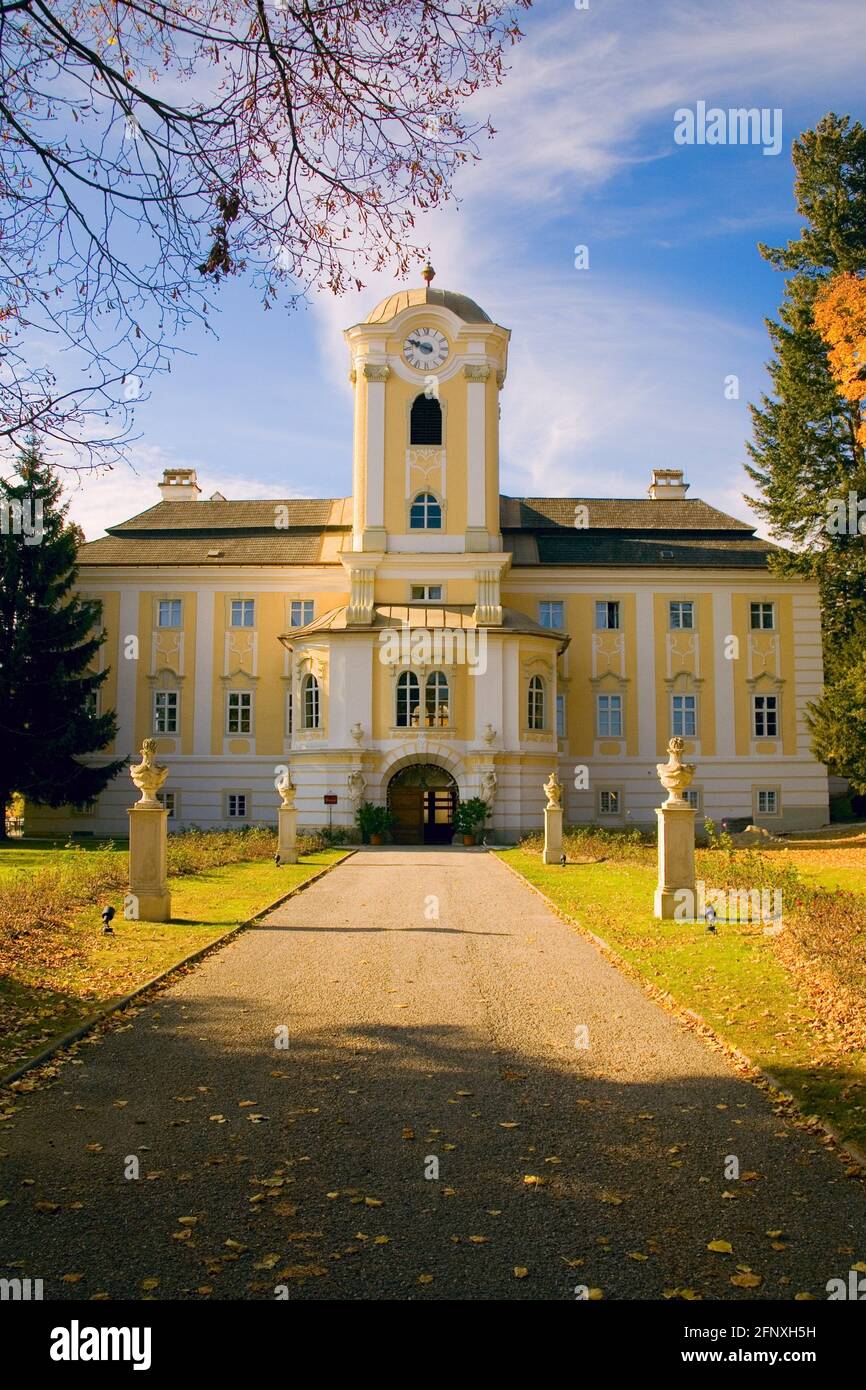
(422, 799)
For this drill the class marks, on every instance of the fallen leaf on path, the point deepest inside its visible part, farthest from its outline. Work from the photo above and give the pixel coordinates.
(721, 1247)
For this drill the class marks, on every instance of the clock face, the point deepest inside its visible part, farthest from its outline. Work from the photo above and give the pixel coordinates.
(425, 349)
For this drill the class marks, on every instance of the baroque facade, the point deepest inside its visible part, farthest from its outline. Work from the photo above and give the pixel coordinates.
(428, 637)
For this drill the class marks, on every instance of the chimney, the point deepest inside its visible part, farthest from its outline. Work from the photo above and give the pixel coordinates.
(668, 483)
(179, 485)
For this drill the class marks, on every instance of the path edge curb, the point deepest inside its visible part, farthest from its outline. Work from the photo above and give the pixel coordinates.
(82, 1029)
(697, 1023)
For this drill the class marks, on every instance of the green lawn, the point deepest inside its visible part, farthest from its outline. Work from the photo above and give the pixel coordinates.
(733, 980)
(44, 854)
(49, 994)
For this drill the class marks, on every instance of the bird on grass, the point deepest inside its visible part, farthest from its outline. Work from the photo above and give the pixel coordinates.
(107, 914)
(277, 860)
(562, 861)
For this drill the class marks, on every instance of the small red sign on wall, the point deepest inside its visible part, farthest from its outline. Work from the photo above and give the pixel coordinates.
(330, 799)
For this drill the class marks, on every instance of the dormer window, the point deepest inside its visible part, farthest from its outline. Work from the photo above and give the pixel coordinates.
(425, 422)
(425, 513)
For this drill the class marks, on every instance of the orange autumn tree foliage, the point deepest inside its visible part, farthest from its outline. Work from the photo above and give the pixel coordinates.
(840, 317)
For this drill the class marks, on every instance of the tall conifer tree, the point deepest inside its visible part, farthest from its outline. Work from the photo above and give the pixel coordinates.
(49, 640)
(807, 452)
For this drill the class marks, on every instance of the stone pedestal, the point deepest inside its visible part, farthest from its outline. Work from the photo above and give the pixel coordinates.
(552, 834)
(288, 843)
(148, 861)
(676, 860)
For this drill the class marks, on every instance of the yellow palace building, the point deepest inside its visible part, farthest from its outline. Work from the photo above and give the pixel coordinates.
(427, 637)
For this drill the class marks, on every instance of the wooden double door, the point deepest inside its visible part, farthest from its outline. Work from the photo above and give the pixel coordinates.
(422, 815)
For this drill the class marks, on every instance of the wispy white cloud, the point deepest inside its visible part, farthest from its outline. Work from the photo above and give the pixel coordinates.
(101, 499)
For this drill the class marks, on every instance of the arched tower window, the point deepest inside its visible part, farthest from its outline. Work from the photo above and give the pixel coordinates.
(425, 513)
(310, 703)
(408, 696)
(535, 710)
(436, 699)
(425, 422)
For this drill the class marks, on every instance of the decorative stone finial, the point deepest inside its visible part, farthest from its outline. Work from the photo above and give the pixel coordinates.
(287, 789)
(553, 787)
(148, 775)
(675, 775)
(427, 274)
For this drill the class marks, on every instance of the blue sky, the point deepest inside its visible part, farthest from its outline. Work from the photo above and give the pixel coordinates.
(614, 370)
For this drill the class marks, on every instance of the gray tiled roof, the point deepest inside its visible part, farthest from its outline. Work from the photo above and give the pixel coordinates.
(537, 531)
(616, 513)
(258, 514)
(276, 548)
(427, 615)
(583, 548)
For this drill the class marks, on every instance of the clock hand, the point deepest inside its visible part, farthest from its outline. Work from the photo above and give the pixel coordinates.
(422, 347)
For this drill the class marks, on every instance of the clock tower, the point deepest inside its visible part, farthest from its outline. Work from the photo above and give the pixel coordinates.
(427, 366)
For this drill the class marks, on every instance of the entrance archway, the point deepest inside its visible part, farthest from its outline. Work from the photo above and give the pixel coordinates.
(422, 798)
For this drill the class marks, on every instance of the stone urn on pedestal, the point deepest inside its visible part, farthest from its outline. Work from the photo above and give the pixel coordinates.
(288, 821)
(676, 843)
(553, 820)
(148, 841)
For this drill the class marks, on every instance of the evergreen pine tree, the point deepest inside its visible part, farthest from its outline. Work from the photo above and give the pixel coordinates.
(49, 640)
(805, 450)
(807, 453)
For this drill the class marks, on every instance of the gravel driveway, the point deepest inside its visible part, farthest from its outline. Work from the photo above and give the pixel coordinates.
(433, 1127)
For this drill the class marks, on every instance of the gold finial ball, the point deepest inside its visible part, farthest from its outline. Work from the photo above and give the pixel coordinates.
(427, 273)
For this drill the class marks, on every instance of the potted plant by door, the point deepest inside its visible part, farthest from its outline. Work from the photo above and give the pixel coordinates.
(373, 822)
(469, 817)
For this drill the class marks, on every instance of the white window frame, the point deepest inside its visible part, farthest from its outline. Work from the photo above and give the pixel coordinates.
(422, 593)
(302, 604)
(765, 713)
(437, 681)
(762, 605)
(239, 702)
(169, 603)
(611, 607)
(775, 792)
(174, 798)
(536, 704)
(550, 604)
(167, 696)
(429, 504)
(609, 709)
(680, 607)
(608, 792)
(311, 682)
(678, 702)
(247, 608)
(695, 798)
(232, 797)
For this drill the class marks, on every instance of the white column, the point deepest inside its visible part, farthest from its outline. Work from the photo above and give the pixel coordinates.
(204, 637)
(476, 449)
(723, 671)
(376, 375)
(646, 675)
(127, 670)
